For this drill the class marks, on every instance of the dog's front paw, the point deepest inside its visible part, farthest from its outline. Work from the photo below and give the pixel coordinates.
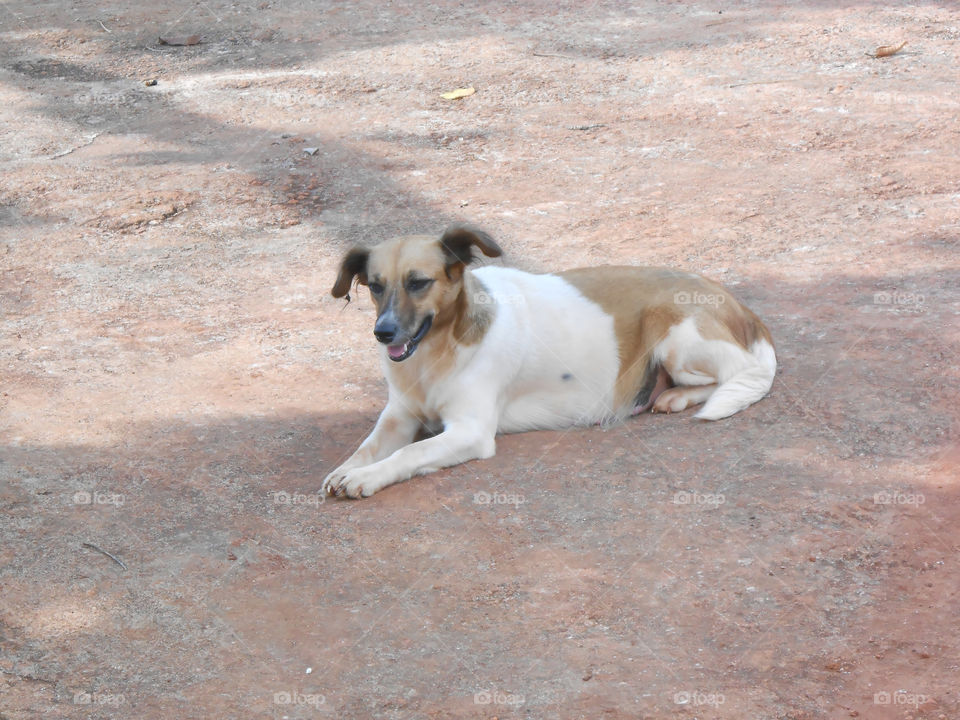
(352, 482)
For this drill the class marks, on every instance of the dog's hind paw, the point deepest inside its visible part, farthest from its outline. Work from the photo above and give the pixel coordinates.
(678, 399)
(671, 401)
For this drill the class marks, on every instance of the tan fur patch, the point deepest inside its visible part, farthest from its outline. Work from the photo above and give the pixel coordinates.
(646, 302)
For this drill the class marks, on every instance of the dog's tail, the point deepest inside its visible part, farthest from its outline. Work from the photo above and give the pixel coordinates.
(746, 387)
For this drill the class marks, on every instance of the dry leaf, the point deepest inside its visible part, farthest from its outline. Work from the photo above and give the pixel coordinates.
(888, 50)
(190, 40)
(458, 93)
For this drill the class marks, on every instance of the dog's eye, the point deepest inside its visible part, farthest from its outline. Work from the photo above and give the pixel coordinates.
(375, 288)
(418, 284)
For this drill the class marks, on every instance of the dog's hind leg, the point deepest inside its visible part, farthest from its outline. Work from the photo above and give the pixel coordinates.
(715, 369)
(657, 381)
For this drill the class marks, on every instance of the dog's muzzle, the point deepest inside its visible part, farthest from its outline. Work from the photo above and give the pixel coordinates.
(387, 330)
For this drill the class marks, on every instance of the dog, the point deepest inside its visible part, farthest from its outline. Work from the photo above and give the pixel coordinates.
(469, 353)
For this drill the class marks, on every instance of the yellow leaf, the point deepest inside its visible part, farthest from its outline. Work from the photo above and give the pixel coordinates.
(888, 50)
(458, 93)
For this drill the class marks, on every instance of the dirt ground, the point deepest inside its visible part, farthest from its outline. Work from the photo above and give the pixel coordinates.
(177, 381)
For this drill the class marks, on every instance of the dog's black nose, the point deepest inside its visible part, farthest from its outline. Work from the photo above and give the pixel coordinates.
(385, 330)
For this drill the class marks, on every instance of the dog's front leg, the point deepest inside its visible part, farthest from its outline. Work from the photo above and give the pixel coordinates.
(395, 428)
(462, 439)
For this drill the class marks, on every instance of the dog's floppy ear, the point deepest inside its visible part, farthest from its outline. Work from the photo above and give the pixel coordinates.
(353, 265)
(458, 242)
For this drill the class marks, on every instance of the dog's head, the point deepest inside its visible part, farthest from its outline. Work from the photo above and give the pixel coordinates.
(413, 281)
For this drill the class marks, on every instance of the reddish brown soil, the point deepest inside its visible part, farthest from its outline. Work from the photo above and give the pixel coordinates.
(174, 369)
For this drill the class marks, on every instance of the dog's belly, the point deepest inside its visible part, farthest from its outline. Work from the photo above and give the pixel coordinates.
(550, 410)
(564, 363)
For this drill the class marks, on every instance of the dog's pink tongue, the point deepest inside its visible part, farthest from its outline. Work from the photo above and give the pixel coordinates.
(396, 351)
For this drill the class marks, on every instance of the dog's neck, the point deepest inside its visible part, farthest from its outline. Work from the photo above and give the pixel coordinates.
(474, 310)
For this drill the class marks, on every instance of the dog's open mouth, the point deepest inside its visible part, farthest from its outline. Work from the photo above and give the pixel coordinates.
(401, 351)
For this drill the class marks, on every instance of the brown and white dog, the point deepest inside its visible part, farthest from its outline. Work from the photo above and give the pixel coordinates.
(470, 353)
